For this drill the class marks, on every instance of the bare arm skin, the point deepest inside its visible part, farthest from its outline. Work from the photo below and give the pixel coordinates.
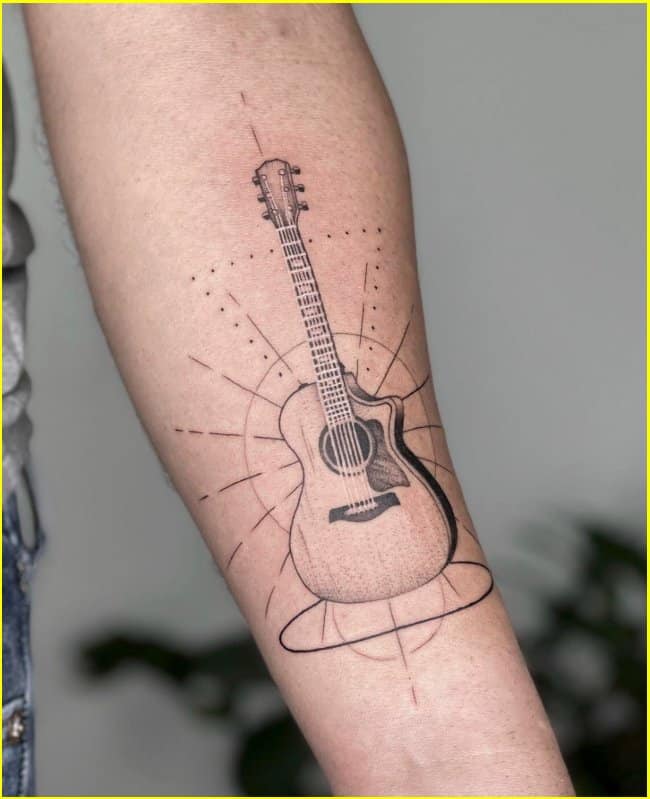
(280, 368)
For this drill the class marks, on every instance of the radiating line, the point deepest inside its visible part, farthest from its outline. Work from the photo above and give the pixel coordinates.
(399, 642)
(322, 634)
(257, 141)
(286, 465)
(235, 551)
(270, 438)
(403, 654)
(452, 586)
(270, 510)
(268, 602)
(241, 480)
(248, 316)
(250, 391)
(395, 354)
(417, 388)
(465, 527)
(293, 491)
(196, 360)
(284, 562)
(261, 519)
(233, 298)
(208, 432)
(205, 496)
(363, 310)
(423, 427)
(435, 463)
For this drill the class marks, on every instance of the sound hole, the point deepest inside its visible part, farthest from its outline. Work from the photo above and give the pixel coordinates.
(347, 448)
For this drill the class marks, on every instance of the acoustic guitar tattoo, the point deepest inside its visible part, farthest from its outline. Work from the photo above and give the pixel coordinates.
(372, 534)
(353, 537)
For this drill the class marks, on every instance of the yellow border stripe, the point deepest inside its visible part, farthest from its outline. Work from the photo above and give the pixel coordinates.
(425, 2)
(330, 2)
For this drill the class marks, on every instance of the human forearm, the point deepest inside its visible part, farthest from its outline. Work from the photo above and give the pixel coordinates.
(209, 309)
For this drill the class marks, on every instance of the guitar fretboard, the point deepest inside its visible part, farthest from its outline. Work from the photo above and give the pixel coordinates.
(331, 385)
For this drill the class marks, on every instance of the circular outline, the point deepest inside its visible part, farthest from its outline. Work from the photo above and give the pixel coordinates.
(335, 467)
(395, 629)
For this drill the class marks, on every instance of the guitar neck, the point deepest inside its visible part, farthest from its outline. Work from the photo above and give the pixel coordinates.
(329, 377)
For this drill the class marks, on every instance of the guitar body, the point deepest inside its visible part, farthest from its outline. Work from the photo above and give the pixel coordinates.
(402, 540)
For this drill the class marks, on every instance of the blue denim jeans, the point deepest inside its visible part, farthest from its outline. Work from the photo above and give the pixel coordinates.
(17, 711)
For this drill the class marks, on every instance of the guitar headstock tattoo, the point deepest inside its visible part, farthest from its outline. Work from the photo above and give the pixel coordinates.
(372, 531)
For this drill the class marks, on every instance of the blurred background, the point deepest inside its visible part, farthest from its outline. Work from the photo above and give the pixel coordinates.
(525, 132)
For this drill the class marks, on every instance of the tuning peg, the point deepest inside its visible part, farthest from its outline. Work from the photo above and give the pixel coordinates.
(300, 187)
(295, 170)
(256, 180)
(266, 215)
(261, 198)
(303, 206)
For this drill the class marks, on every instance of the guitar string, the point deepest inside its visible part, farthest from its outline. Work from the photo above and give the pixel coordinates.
(343, 456)
(344, 434)
(369, 501)
(353, 441)
(342, 441)
(288, 243)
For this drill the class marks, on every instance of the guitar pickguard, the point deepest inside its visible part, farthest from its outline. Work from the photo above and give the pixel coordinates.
(383, 472)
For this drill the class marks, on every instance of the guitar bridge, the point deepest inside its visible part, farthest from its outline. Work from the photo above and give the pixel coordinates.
(347, 513)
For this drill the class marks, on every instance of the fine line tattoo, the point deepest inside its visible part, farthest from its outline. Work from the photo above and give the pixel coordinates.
(371, 529)
(355, 536)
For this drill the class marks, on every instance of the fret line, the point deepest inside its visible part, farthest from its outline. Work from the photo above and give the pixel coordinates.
(329, 378)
